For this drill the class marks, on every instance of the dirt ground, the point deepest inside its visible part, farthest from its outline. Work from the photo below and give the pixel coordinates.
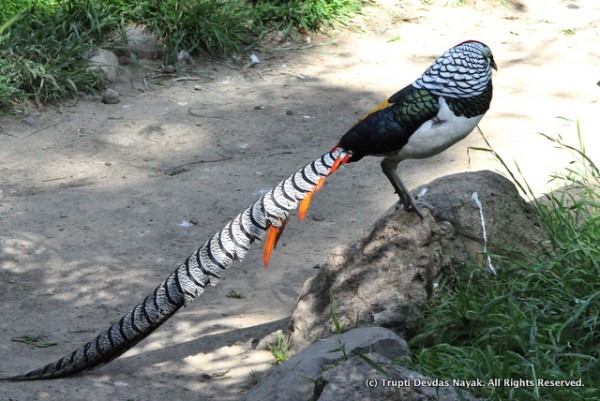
(92, 217)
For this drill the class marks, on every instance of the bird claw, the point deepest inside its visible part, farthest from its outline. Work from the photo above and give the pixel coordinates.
(412, 205)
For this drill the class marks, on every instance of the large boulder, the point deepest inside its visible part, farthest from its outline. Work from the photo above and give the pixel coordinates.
(511, 225)
(379, 280)
(372, 377)
(359, 365)
(384, 278)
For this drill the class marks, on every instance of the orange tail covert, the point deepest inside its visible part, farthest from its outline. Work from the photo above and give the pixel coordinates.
(271, 240)
(274, 233)
(305, 203)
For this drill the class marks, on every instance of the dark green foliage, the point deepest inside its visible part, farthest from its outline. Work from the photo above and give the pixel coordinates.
(45, 51)
(310, 15)
(215, 26)
(45, 45)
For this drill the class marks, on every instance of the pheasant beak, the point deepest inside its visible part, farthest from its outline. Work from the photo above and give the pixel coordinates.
(493, 64)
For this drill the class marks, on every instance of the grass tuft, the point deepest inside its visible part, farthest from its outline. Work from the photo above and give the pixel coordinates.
(45, 45)
(279, 349)
(215, 26)
(307, 15)
(46, 49)
(536, 320)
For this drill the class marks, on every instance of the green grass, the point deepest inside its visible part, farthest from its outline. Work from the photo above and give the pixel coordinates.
(214, 26)
(279, 349)
(45, 50)
(45, 45)
(535, 320)
(309, 15)
(235, 295)
(568, 31)
(39, 341)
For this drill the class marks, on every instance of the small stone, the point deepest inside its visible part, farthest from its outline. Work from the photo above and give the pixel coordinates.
(182, 56)
(318, 217)
(110, 96)
(289, 113)
(221, 373)
(279, 36)
(305, 37)
(106, 61)
(142, 42)
(32, 122)
(259, 107)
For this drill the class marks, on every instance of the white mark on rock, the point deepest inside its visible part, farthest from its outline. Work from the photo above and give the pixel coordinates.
(475, 198)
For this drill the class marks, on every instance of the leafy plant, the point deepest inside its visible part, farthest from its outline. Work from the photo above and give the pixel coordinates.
(234, 294)
(45, 51)
(215, 26)
(279, 349)
(45, 45)
(309, 15)
(39, 341)
(332, 311)
(535, 320)
(568, 31)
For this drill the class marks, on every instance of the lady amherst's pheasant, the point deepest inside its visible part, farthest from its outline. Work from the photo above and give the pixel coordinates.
(437, 110)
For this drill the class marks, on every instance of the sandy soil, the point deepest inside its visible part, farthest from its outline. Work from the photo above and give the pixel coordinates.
(92, 218)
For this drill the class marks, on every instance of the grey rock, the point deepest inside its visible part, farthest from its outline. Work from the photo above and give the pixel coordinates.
(382, 279)
(268, 340)
(110, 96)
(511, 223)
(106, 61)
(357, 380)
(294, 379)
(31, 121)
(142, 43)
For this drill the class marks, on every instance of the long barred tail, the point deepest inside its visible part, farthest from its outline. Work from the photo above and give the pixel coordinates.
(203, 267)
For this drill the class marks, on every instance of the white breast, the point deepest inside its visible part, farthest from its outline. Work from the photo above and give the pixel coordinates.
(437, 135)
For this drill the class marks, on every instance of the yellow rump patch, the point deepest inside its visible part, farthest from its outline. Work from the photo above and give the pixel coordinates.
(383, 105)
